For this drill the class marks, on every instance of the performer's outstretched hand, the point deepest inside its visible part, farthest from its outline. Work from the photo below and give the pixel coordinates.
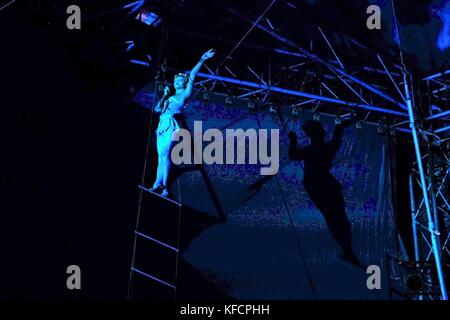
(208, 54)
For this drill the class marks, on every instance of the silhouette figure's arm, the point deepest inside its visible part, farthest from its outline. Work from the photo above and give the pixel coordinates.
(295, 153)
(338, 133)
(336, 141)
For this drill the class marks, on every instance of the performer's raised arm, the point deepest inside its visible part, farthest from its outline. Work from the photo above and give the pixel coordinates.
(294, 152)
(207, 55)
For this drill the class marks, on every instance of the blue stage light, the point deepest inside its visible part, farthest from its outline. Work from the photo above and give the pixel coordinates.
(142, 63)
(298, 93)
(134, 5)
(130, 45)
(444, 35)
(149, 18)
(443, 13)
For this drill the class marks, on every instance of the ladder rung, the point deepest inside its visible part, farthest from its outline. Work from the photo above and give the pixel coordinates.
(153, 278)
(158, 195)
(156, 241)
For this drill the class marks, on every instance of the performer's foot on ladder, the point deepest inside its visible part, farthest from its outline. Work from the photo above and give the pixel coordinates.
(164, 194)
(157, 189)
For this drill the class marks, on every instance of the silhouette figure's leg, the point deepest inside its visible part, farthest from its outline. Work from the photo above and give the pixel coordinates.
(329, 200)
(338, 223)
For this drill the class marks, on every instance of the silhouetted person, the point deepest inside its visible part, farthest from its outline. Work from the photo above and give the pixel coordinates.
(322, 187)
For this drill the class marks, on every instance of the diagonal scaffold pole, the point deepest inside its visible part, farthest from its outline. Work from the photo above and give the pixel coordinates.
(297, 93)
(313, 56)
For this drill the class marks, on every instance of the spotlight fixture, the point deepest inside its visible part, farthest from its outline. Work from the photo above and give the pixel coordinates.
(414, 282)
(251, 105)
(316, 117)
(437, 143)
(148, 17)
(228, 101)
(337, 120)
(358, 125)
(381, 129)
(295, 112)
(272, 109)
(206, 96)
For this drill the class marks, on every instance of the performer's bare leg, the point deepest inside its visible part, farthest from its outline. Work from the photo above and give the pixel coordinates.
(162, 175)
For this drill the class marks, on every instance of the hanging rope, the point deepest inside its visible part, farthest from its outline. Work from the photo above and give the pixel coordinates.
(144, 170)
(234, 49)
(149, 137)
(397, 32)
(179, 183)
(294, 232)
(247, 33)
(178, 238)
(297, 240)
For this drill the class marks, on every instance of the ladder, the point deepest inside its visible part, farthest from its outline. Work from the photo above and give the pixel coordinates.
(154, 266)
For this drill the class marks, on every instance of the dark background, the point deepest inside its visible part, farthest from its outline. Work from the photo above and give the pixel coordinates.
(74, 142)
(71, 161)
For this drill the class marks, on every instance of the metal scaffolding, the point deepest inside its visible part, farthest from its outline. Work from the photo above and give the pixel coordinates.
(329, 83)
(386, 93)
(430, 210)
(429, 125)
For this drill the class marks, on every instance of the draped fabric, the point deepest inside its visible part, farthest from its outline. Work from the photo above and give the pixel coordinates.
(285, 237)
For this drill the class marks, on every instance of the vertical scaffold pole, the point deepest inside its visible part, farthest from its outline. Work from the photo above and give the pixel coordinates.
(423, 182)
(413, 219)
(414, 224)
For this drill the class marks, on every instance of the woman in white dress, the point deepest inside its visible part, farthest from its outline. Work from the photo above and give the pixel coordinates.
(169, 108)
